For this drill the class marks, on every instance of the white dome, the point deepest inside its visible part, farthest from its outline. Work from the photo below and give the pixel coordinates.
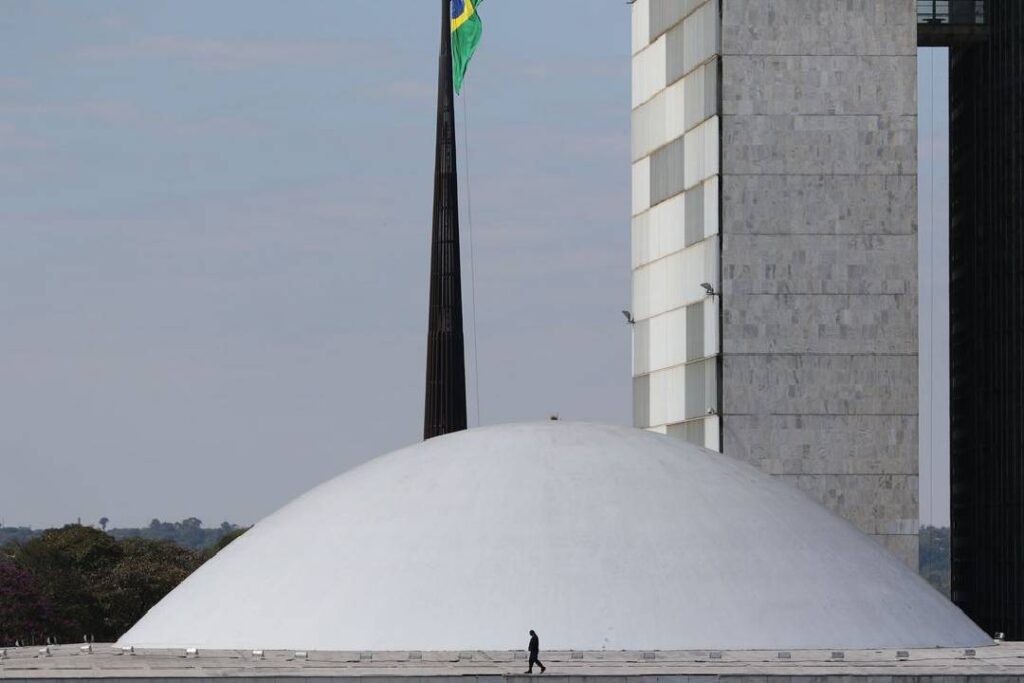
(595, 536)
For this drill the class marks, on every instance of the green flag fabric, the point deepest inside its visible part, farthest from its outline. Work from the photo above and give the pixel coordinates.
(466, 31)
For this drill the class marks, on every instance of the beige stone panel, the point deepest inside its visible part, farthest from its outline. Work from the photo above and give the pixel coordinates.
(831, 324)
(820, 384)
(819, 27)
(819, 204)
(801, 445)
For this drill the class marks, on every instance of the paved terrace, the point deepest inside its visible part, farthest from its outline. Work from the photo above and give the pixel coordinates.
(1002, 663)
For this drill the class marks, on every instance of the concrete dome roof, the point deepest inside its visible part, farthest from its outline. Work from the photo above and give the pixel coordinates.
(595, 536)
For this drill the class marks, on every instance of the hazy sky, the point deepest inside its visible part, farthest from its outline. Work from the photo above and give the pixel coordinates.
(215, 222)
(933, 256)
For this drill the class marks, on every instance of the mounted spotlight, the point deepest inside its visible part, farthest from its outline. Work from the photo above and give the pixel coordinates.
(709, 288)
(629, 317)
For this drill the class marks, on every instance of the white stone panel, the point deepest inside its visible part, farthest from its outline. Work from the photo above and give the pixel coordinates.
(711, 209)
(641, 24)
(674, 281)
(668, 395)
(700, 36)
(701, 94)
(648, 72)
(641, 185)
(659, 342)
(658, 121)
(659, 231)
(712, 432)
(712, 306)
(701, 144)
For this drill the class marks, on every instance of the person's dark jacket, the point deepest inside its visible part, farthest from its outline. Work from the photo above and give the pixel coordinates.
(534, 645)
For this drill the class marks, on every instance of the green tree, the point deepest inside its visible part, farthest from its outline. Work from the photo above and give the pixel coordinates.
(146, 572)
(64, 565)
(223, 542)
(104, 521)
(74, 581)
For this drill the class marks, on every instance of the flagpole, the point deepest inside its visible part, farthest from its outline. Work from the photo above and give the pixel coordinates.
(445, 404)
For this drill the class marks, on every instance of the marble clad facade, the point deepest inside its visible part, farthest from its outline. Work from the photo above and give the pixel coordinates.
(774, 150)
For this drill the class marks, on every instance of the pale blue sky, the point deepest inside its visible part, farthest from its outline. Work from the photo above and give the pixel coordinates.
(933, 257)
(216, 217)
(215, 222)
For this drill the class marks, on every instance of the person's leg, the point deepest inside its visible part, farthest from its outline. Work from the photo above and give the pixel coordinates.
(541, 665)
(533, 658)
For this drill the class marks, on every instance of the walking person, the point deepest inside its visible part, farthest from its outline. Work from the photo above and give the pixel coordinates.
(534, 648)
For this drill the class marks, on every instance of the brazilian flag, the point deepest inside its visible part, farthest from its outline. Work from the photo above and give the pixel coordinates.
(466, 30)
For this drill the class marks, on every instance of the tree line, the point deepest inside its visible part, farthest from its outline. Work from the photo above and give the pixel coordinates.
(80, 583)
(188, 533)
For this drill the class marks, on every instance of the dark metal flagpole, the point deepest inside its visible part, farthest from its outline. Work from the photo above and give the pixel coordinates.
(446, 362)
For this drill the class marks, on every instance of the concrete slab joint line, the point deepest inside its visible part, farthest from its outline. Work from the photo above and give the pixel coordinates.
(1003, 663)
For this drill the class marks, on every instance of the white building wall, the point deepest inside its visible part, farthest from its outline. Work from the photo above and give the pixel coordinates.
(676, 189)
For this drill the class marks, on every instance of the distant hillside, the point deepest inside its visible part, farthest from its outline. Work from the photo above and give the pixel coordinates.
(188, 533)
(17, 534)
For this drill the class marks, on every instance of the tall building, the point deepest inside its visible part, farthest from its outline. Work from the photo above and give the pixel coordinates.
(987, 315)
(774, 243)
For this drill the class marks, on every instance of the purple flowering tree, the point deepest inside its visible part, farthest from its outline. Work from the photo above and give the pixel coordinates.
(25, 614)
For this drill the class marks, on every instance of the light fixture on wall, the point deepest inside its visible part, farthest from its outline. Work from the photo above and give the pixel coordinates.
(709, 288)
(629, 317)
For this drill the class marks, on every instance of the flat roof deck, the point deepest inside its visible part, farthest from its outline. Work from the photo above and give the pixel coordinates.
(1005, 661)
